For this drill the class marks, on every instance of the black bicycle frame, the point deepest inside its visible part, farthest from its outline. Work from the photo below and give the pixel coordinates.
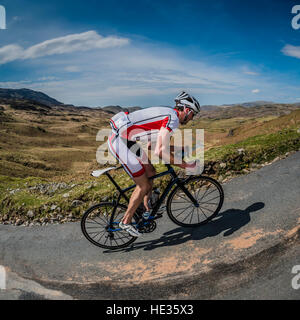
(175, 180)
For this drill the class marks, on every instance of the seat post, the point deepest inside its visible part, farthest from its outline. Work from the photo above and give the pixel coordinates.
(114, 182)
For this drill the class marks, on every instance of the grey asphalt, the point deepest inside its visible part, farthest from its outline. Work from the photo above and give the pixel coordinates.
(261, 211)
(277, 282)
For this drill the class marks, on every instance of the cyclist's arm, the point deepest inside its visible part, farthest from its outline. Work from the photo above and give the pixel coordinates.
(151, 146)
(163, 150)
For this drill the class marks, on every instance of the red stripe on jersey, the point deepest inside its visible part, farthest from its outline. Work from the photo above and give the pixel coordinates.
(114, 125)
(155, 125)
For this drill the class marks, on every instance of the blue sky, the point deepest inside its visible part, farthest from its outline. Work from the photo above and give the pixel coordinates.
(142, 52)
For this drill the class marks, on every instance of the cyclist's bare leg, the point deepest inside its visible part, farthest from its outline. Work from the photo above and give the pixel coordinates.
(143, 187)
(150, 171)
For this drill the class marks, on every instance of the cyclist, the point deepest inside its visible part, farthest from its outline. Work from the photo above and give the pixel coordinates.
(151, 123)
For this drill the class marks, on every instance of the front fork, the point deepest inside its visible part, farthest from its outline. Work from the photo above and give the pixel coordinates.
(187, 193)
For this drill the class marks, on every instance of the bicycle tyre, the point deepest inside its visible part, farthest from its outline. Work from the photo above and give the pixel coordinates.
(204, 181)
(104, 223)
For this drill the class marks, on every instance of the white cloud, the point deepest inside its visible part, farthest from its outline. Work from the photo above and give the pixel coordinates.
(291, 51)
(72, 69)
(251, 73)
(10, 53)
(141, 74)
(72, 43)
(47, 78)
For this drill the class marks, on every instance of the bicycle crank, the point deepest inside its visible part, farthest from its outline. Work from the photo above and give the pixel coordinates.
(148, 227)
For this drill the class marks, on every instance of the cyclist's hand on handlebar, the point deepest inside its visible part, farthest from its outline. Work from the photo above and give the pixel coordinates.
(190, 165)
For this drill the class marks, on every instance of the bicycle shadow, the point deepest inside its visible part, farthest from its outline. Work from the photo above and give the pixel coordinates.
(229, 221)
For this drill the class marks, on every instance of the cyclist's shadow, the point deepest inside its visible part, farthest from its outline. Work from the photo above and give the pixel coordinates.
(229, 221)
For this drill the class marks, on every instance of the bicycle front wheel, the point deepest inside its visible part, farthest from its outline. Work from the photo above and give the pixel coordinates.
(100, 225)
(209, 196)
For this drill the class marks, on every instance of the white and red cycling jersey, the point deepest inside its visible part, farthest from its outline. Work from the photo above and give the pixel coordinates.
(139, 125)
(144, 123)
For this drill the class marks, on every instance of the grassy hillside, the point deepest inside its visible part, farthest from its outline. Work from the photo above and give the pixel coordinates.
(52, 143)
(47, 154)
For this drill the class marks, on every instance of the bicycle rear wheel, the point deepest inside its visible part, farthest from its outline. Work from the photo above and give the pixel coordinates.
(209, 195)
(100, 225)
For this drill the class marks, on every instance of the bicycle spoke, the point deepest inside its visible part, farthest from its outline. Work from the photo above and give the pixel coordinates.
(92, 232)
(126, 236)
(120, 238)
(198, 215)
(203, 212)
(207, 209)
(101, 237)
(114, 240)
(192, 215)
(105, 240)
(99, 216)
(214, 203)
(175, 201)
(181, 212)
(183, 209)
(92, 227)
(94, 221)
(199, 189)
(210, 193)
(206, 192)
(212, 199)
(187, 215)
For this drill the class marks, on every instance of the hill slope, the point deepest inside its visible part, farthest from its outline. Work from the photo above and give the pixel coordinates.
(27, 94)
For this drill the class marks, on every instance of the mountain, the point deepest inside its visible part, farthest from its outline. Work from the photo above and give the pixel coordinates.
(228, 112)
(29, 95)
(209, 108)
(111, 109)
(249, 104)
(116, 109)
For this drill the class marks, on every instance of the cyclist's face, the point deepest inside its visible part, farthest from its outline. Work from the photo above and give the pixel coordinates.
(192, 113)
(189, 115)
(186, 115)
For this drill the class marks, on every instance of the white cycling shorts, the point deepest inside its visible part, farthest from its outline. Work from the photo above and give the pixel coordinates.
(129, 153)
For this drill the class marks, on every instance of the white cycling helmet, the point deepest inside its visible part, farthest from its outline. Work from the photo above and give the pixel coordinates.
(186, 100)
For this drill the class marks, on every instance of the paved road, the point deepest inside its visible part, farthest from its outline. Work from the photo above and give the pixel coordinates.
(261, 210)
(277, 282)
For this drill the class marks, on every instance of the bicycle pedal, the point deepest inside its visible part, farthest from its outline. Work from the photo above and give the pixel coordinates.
(162, 209)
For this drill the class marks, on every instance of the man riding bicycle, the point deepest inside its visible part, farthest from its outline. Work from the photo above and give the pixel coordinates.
(154, 122)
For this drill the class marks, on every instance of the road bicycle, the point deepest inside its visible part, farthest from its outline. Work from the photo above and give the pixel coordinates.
(192, 202)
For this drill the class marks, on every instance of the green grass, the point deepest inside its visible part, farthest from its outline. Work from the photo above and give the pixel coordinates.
(256, 149)
(274, 144)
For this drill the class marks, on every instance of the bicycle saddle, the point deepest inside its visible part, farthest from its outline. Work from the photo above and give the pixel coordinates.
(98, 173)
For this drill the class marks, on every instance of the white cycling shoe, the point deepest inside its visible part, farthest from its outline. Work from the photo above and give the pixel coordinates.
(130, 229)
